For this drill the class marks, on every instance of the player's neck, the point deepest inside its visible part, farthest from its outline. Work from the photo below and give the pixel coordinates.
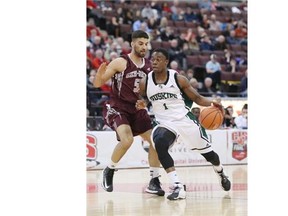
(136, 59)
(161, 77)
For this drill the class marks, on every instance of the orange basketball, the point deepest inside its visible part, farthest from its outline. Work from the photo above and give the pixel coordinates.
(211, 118)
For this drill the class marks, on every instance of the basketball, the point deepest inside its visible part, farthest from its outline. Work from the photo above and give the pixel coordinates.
(211, 118)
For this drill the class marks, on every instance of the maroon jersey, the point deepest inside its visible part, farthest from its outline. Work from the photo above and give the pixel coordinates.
(120, 108)
(125, 84)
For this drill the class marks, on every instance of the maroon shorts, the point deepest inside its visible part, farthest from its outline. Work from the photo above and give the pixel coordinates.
(139, 120)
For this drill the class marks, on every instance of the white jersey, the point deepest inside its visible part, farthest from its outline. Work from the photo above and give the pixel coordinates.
(167, 101)
(170, 112)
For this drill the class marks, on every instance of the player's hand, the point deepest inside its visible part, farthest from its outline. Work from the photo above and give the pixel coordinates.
(218, 105)
(102, 68)
(98, 78)
(140, 104)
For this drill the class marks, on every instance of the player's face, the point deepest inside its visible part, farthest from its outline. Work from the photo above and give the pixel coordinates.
(140, 46)
(159, 62)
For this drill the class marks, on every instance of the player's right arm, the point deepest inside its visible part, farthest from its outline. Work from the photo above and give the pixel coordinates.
(105, 72)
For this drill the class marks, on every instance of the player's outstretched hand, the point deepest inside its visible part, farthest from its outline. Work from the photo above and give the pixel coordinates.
(140, 104)
(102, 68)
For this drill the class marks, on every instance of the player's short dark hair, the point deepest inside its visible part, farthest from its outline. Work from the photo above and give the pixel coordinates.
(139, 34)
(163, 51)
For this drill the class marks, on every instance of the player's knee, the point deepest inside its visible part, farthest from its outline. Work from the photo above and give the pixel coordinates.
(163, 138)
(212, 157)
(126, 142)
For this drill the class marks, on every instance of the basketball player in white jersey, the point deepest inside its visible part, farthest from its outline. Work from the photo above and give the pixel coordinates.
(165, 89)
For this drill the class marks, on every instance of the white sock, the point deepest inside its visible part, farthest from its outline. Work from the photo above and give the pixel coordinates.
(219, 168)
(112, 165)
(154, 172)
(174, 179)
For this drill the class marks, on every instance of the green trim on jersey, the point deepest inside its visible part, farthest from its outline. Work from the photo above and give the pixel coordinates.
(201, 128)
(188, 102)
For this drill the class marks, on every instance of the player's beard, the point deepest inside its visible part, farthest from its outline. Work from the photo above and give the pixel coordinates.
(139, 53)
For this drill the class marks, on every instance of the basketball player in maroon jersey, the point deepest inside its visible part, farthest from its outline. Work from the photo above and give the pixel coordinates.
(120, 112)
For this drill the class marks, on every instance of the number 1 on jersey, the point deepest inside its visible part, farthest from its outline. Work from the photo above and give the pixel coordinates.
(165, 106)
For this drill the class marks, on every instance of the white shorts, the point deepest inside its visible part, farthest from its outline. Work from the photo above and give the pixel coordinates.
(189, 132)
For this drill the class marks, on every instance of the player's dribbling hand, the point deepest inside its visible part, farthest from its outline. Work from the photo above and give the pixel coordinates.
(140, 104)
(218, 105)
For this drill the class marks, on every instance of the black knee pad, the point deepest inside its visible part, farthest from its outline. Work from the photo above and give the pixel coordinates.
(162, 139)
(212, 157)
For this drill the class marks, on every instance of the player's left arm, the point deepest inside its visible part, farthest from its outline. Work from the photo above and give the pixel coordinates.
(193, 94)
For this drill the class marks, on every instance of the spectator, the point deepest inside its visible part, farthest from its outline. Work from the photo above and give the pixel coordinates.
(186, 50)
(92, 94)
(215, 5)
(214, 24)
(125, 48)
(194, 83)
(181, 39)
(244, 85)
(117, 20)
(227, 57)
(99, 58)
(191, 40)
(148, 12)
(166, 8)
(220, 43)
(137, 21)
(177, 54)
(178, 15)
(205, 22)
(241, 32)
(232, 67)
(207, 90)
(241, 120)
(110, 49)
(200, 34)
(231, 39)
(91, 25)
(152, 23)
(213, 69)
(128, 17)
(189, 73)
(174, 65)
(167, 34)
(196, 112)
(163, 24)
(204, 4)
(189, 15)
(98, 43)
(156, 6)
(228, 121)
(206, 44)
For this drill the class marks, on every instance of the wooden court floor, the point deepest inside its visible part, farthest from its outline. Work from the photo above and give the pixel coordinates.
(205, 196)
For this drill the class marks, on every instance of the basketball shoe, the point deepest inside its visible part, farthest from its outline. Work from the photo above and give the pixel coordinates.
(225, 183)
(178, 192)
(154, 187)
(107, 182)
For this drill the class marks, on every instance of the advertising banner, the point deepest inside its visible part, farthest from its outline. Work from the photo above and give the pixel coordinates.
(237, 146)
(229, 144)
